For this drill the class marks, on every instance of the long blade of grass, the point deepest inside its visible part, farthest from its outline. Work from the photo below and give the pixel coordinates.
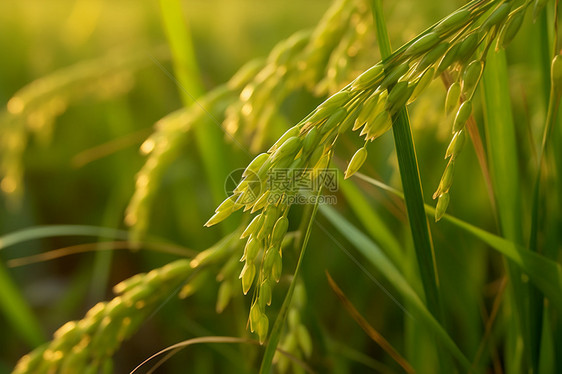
(536, 309)
(99, 246)
(372, 222)
(39, 232)
(209, 135)
(502, 145)
(553, 103)
(547, 37)
(543, 272)
(409, 173)
(181, 46)
(378, 259)
(18, 312)
(502, 149)
(173, 349)
(275, 335)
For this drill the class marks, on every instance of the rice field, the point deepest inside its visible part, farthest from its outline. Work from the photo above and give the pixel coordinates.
(339, 186)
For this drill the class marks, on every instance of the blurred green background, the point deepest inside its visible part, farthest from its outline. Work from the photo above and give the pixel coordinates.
(83, 173)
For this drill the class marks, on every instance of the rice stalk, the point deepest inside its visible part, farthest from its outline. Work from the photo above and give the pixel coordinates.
(408, 166)
(161, 149)
(319, 61)
(499, 27)
(190, 88)
(33, 109)
(276, 331)
(296, 339)
(370, 101)
(87, 345)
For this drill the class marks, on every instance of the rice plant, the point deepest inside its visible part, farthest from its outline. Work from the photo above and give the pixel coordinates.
(326, 241)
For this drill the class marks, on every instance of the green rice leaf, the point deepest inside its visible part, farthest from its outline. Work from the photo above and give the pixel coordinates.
(382, 263)
(208, 134)
(543, 272)
(373, 223)
(409, 173)
(504, 168)
(18, 312)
